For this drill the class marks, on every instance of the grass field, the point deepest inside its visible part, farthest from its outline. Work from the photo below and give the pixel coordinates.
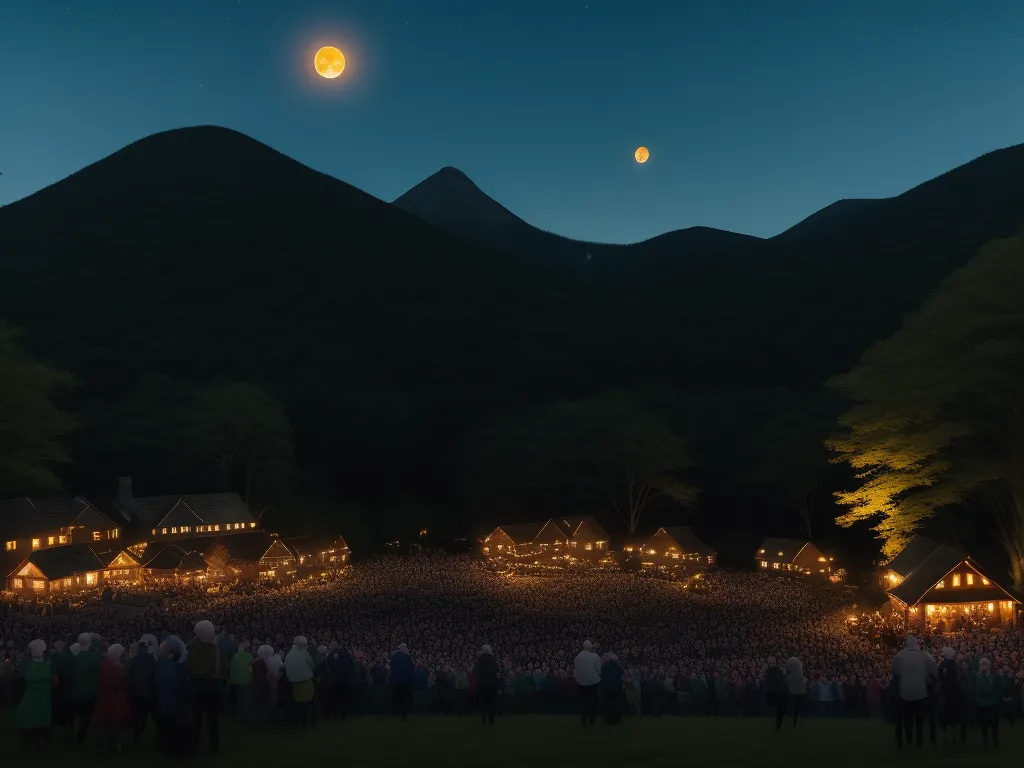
(532, 742)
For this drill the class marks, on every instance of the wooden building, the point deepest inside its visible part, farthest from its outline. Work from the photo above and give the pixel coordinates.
(554, 543)
(252, 556)
(319, 551)
(171, 562)
(57, 570)
(932, 584)
(586, 538)
(792, 556)
(674, 549)
(28, 525)
(512, 542)
(177, 518)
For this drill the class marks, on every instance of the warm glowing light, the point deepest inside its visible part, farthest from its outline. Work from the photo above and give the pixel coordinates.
(329, 62)
(991, 606)
(642, 154)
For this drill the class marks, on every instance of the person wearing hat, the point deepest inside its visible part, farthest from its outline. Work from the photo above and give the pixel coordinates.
(488, 678)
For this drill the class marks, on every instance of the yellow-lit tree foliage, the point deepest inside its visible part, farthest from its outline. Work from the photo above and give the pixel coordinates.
(938, 414)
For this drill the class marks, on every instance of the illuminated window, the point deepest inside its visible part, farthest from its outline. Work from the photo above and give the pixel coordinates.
(252, 525)
(940, 585)
(675, 555)
(17, 584)
(970, 579)
(10, 545)
(51, 540)
(780, 554)
(984, 581)
(762, 552)
(163, 531)
(588, 546)
(96, 535)
(216, 527)
(600, 544)
(67, 582)
(62, 539)
(90, 578)
(931, 609)
(650, 551)
(174, 529)
(775, 566)
(106, 574)
(116, 533)
(956, 579)
(764, 563)
(38, 585)
(991, 606)
(822, 559)
(35, 544)
(154, 531)
(499, 546)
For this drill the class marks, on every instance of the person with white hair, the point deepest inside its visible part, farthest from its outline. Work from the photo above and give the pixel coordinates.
(85, 676)
(913, 668)
(204, 667)
(298, 669)
(402, 671)
(796, 691)
(488, 679)
(587, 674)
(32, 714)
(261, 691)
(113, 714)
(986, 702)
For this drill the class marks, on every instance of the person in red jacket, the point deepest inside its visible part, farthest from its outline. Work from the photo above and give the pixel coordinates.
(113, 714)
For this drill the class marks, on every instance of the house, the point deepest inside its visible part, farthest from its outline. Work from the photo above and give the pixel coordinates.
(796, 556)
(57, 570)
(249, 556)
(676, 547)
(510, 542)
(587, 538)
(178, 517)
(171, 562)
(319, 552)
(932, 583)
(118, 565)
(28, 525)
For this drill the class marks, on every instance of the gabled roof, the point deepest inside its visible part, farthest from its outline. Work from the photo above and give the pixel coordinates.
(174, 558)
(788, 547)
(24, 517)
(311, 545)
(246, 547)
(687, 540)
(522, 533)
(180, 514)
(209, 508)
(61, 562)
(572, 525)
(917, 583)
(919, 549)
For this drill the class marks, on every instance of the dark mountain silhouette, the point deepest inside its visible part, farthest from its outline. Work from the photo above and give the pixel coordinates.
(201, 253)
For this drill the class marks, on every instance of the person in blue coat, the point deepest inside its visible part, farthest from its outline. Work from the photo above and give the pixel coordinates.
(402, 680)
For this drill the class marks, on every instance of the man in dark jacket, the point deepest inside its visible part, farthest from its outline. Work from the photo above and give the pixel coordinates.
(487, 680)
(139, 674)
(340, 667)
(401, 680)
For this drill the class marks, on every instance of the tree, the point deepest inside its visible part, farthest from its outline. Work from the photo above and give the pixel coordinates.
(937, 421)
(607, 445)
(245, 433)
(786, 450)
(31, 425)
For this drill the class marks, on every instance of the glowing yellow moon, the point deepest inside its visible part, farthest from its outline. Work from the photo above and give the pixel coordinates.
(329, 62)
(641, 154)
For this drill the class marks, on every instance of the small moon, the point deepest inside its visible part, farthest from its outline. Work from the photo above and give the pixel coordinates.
(641, 154)
(329, 62)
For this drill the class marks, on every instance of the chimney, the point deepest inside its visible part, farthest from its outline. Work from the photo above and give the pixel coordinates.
(125, 500)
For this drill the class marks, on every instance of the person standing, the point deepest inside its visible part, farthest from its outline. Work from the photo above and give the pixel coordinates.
(402, 670)
(240, 676)
(796, 691)
(611, 687)
(172, 697)
(298, 669)
(85, 675)
(913, 668)
(113, 710)
(204, 667)
(951, 697)
(140, 670)
(986, 701)
(587, 674)
(33, 713)
(488, 678)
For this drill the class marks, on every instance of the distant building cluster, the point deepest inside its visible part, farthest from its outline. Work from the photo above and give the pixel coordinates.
(60, 546)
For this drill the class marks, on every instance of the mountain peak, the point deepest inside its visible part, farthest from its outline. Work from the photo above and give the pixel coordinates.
(449, 197)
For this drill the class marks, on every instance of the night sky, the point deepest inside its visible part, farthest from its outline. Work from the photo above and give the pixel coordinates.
(756, 113)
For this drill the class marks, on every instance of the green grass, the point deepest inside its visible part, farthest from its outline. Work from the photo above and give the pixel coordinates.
(532, 742)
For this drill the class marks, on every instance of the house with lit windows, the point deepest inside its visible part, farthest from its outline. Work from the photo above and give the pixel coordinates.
(930, 584)
(674, 550)
(792, 556)
(557, 542)
(28, 525)
(57, 570)
(178, 517)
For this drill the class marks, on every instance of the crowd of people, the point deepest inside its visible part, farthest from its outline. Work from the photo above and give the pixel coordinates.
(407, 635)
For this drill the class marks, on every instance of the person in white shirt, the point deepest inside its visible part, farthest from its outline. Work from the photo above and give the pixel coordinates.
(587, 674)
(913, 668)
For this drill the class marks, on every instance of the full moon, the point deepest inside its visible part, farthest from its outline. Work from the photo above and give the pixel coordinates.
(641, 154)
(329, 62)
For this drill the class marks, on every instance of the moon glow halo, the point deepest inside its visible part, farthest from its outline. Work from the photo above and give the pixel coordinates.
(329, 62)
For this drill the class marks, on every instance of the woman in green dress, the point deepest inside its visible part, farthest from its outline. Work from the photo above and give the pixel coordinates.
(32, 715)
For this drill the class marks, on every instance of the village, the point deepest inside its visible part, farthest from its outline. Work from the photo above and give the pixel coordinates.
(57, 548)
